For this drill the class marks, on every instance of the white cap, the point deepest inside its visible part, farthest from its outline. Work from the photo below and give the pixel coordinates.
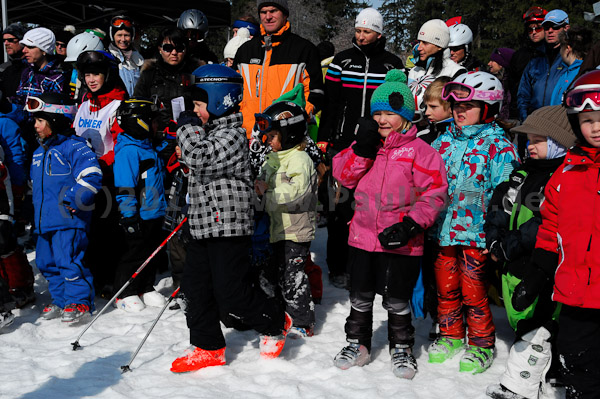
(243, 35)
(435, 31)
(41, 38)
(369, 18)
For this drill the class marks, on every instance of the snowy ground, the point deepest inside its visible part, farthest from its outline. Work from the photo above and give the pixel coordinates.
(37, 360)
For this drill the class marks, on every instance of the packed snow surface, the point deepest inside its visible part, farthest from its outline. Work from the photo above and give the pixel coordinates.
(37, 360)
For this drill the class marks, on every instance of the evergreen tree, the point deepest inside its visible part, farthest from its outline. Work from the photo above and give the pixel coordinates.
(396, 14)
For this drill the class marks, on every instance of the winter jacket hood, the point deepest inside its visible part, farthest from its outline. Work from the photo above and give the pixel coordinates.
(407, 178)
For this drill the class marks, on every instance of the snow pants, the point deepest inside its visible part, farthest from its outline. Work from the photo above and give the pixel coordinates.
(578, 345)
(138, 248)
(59, 257)
(337, 233)
(217, 278)
(461, 284)
(392, 276)
(291, 258)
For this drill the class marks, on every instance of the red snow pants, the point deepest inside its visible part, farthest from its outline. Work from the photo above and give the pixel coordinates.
(462, 293)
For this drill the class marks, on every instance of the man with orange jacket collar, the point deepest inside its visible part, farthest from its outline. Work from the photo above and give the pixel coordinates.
(273, 62)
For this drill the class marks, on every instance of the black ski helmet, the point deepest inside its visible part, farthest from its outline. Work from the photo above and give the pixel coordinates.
(286, 117)
(135, 117)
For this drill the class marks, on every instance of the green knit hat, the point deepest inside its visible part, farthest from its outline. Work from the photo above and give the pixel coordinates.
(394, 96)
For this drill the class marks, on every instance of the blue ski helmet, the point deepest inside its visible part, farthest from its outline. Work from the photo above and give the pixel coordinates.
(219, 86)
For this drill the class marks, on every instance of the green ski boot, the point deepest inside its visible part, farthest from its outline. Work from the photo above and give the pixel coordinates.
(476, 360)
(444, 348)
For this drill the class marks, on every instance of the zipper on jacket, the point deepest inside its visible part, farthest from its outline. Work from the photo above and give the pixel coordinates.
(364, 97)
(50, 163)
(589, 275)
(42, 190)
(268, 46)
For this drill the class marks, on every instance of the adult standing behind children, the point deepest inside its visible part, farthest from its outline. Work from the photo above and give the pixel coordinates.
(11, 70)
(275, 61)
(122, 35)
(351, 78)
(215, 278)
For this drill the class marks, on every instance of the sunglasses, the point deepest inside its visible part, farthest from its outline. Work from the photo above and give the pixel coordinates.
(456, 48)
(168, 47)
(61, 45)
(13, 40)
(117, 23)
(536, 29)
(553, 27)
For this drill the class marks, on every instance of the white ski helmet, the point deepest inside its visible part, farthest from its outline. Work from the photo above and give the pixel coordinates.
(82, 42)
(476, 86)
(460, 35)
(193, 19)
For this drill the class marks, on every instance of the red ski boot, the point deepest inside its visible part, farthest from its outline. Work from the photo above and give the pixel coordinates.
(198, 359)
(272, 345)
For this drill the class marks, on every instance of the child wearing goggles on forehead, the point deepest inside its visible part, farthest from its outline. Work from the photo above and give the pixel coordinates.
(477, 157)
(566, 250)
(400, 187)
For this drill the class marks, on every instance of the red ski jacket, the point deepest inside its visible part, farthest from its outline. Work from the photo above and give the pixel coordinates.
(571, 228)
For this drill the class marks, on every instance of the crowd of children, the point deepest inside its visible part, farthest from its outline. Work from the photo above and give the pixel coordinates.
(440, 198)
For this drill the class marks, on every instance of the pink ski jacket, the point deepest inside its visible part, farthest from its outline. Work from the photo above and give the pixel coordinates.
(407, 178)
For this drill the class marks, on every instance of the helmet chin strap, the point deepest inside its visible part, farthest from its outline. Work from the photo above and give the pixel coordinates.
(484, 114)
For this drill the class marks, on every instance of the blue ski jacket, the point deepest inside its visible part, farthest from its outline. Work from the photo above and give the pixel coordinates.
(65, 172)
(139, 179)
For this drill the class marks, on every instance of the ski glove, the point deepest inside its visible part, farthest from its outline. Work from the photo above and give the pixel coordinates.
(131, 226)
(367, 138)
(397, 235)
(538, 275)
(188, 118)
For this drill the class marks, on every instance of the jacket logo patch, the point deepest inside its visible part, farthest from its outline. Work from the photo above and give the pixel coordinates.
(346, 62)
(524, 374)
(255, 61)
(532, 360)
(403, 153)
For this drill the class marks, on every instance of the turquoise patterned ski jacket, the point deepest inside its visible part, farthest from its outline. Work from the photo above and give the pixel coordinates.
(477, 159)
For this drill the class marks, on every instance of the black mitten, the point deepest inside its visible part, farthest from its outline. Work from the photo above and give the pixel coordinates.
(367, 138)
(539, 273)
(397, 235)
(188, 117)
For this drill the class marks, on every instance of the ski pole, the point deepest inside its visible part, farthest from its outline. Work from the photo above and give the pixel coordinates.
(137, 272)
(126, 368)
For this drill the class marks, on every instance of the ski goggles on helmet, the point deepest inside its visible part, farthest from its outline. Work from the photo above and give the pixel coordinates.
(463, 92)
(265, 123)
(582, 98)
(120, 22)
(35, 104)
